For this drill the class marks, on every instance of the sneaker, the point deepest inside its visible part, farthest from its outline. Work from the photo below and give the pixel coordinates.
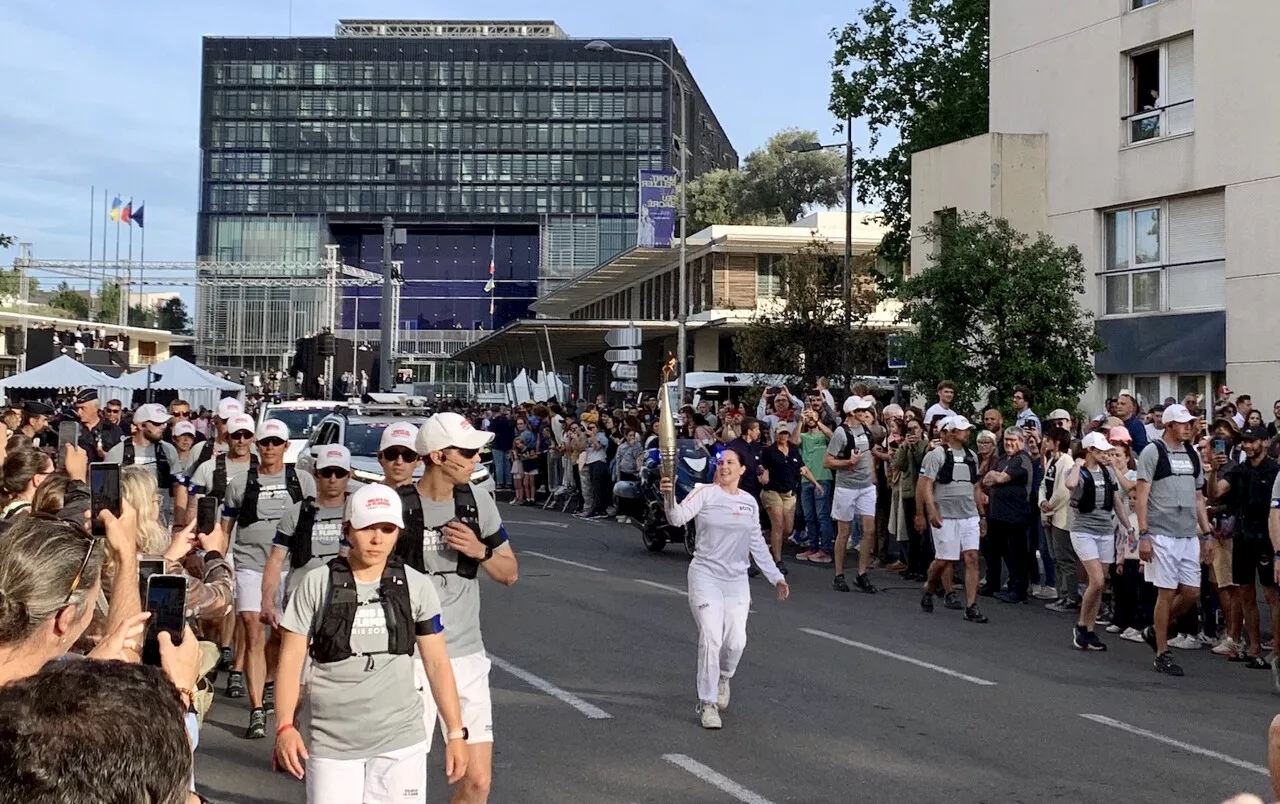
(1131, 635)
(1149, 636)
(1094, 643)
(986, 591)
(926, 602)
(1185, 642)
(1044, 593)
(235, 685)
(1165, 664)
(974, 616)
(896, 566)
(795, 540)
(257, 725)
(864, 584)
(1257, 663)
(783, 569)
(1009, 596)
(807, 555)
(838, 584)
(722, 694)
(820, 557)
(950, 601)
(1063, 605)
(710, 714)
(1275, 674)
(1114, 629)
(1104, 616)
(269, 697)
(1080, 637)
(1205, 639)
(227, 659)
(624, 520)
(1227, 647)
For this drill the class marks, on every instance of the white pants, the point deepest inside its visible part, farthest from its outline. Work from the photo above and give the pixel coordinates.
(471, 675)
(391, 778)
(720, 610)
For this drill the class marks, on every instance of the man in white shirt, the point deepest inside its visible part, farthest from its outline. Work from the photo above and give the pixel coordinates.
(946, 393)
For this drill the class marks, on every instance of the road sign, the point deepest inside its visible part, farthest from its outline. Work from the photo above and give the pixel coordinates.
(624, 386)
(625, 371)
(622, 355)
(623, 338)
(897, 360)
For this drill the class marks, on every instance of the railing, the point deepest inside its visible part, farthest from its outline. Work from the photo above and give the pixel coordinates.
(1176, 118)
(1165, 289)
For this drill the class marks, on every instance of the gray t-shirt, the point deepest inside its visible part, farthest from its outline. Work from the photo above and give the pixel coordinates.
(1098, 522)
(954, 499)
(326, 540)
(860, 476)
(146, 456)
(1171, 504)
(459, 597)
(251, 544)
(202, 476)
(368, 705)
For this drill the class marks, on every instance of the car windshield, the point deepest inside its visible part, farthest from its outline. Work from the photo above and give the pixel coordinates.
(301, 421)
(363, 439)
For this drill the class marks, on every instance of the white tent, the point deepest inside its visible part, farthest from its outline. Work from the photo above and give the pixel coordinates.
(67, 372)
(194, 384)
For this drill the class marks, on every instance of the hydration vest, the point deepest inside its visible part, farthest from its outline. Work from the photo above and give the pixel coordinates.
(332, 640)
(252, 488)
(164, 475)
(219, 486)
(300, 539)
(1163, 467)
(947, 473)
(410, 548)
(847, 451)
(1088, 492)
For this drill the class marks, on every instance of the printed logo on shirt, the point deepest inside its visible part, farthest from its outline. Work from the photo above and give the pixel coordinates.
(274, 492)
(1180, 463)
(702, 606)
(433, 540)
(327, 533)
(370, 620)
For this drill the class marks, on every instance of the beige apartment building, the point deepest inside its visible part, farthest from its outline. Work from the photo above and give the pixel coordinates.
(1141, 131)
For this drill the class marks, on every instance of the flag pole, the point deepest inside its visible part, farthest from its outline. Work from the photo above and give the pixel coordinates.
(142, 253)
(128, 299)
(93, 192)
(105, 217)
(119, 289)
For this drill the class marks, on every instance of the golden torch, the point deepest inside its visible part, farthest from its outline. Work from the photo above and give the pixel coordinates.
(667, 431)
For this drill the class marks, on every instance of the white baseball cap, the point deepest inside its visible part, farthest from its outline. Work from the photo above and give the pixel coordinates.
(184, 427)
(859, 403)
(375, 504)
(956, 422)
(228, 407)
(272, 428)
(1176, 414)
(240, 422)
(400, 434)
(1096, 440)
(445, 430)
(156, 414)
(334, 456)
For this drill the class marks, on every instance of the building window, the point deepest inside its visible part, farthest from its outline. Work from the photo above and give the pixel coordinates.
(1134, 5)
(1165, 257)
(1162, 89)
(768, 276)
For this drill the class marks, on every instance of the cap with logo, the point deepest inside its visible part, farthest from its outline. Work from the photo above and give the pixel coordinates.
(400, 434)
(1255, 434)
(241, 423)
(375, 504)
(858, 403)
(272, 428)
(184, 427)
(334, 456)
(153, 413)
(956, 422)
(1096, 440)
(1176, 414)
(445, 430)
(228, 407)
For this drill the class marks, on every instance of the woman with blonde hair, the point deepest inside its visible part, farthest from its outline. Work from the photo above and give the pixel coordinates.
(138, 488)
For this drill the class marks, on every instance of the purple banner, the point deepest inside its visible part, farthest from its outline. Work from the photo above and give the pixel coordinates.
(656, 227)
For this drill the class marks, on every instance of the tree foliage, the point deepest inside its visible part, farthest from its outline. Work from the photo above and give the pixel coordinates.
(75, 305)
(802, 333)
(7, 240)
(109, 303)
(996, 310)
(775, 185)
(918, 75)
(172, 315)
(11, 284)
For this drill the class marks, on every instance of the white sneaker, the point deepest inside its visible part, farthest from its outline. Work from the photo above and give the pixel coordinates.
(710, 716)
(1044, 593)
(722, 695)
(1205, 639)
(1113, 629)
(1227, 647)
(1185, 642)
(1132, 635)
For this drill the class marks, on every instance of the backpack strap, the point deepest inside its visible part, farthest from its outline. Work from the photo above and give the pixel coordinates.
(409, 546)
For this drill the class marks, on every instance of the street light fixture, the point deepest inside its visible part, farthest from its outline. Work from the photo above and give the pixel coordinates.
(682, 213)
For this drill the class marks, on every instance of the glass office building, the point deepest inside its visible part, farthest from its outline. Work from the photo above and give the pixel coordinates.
(492, 143)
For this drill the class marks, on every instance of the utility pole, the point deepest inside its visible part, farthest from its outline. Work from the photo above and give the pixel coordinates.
(387, 358)
(848, 241)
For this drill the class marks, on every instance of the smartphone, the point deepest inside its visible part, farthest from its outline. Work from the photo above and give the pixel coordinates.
(1220, 446)
(104, 492)
(466, 512)
(68, 433)
(146, 568)
(206, 514)
(167, 602)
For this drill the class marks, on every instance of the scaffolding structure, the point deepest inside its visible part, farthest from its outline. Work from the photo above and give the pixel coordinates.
(449, 29)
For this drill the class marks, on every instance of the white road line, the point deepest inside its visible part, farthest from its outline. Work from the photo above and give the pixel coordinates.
(539, 522)
(1188, 747)
(562, 561)
(662, 586)
(981, 682)
(542, 685)
(715, 779)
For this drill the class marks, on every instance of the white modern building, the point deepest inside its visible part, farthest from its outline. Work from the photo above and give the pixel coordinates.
(1140, 131)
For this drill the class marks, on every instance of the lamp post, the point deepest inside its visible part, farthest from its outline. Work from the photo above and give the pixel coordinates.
(682, 213)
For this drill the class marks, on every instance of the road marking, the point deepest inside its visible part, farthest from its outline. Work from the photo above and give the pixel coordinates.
(562, 561)
(662, 586)
(539, 522)
(1188, 747)
(542, 685)
(981, 682)
(715, 779)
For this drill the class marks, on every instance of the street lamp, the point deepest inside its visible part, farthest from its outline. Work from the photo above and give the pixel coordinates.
(682, 213)
(846, 285)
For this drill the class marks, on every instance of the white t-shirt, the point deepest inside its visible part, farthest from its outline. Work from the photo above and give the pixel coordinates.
(936, 410)
(728, 533)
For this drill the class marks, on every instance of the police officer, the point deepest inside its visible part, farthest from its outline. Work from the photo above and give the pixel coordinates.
(147, 448)
(35, 421)
(97, 435)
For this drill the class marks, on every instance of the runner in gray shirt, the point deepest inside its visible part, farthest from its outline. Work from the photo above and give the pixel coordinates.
(849, 456)
(362, 707)
(947, 501)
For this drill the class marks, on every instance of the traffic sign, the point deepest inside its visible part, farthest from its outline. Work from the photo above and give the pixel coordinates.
(625, 371)
(622, 355)
(897, 360)
(624, 386)
(623, 338)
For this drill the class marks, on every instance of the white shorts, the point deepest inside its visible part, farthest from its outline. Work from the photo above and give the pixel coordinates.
(955, 537)
(1176, 562)
(395, 777)
(849, 504)
(1094, 547)
(249, 591)
(471, 674)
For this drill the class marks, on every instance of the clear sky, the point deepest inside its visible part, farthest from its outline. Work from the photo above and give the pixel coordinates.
(108, 94)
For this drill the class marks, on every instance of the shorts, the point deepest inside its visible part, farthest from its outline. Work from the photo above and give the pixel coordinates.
(849, 504)
(1251, 561)
(396, 777)
(956, 536)
(1223, 563)
(471, 674)
(1094, 547)
(249, 591)
(530, 466)
(1176, 562)
(786, 500)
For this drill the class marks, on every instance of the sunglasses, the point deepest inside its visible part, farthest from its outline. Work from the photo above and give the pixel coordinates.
(398, 454)
(271, 442)
(181, 414)
(84, 563)
(116, 411)
(467, 453)
(240, 435)
(332, 471)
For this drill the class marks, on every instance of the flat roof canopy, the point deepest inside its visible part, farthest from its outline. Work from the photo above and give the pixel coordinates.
(528, 341)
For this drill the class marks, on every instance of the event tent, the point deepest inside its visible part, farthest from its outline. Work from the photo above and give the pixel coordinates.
(194, 384)
(67, 372)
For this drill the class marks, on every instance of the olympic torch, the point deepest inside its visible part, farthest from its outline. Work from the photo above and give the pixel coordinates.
(667, 431)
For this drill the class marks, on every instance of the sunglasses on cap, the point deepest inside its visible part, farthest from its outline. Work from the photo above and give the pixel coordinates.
(240, 435)
(332, 471)
(271, 442)
(400, 454)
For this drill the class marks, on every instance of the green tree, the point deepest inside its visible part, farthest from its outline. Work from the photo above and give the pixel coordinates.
(802, 334)
(11, 284)
(916, 75)
(997, 309)
(7, 240)
(141, 317)
(109, 303)
(75, 305)
(172, 315)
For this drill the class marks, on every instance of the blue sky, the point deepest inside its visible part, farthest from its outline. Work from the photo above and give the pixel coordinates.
(107, 94)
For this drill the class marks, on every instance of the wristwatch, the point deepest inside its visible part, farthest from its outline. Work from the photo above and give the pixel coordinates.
(488, 554)
(461, 734)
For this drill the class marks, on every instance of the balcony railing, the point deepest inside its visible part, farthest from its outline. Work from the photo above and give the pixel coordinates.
(1176, 118)
(1165, 289)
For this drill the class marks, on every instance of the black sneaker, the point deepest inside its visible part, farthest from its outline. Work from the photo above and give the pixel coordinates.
(235, 685)
(864, 584)
(1165, 665)
(1010, 596)
(269, 697)
(986, 591)
(257, 725)
(838, 584)
(952, 602)
(783, 569)
(926, 602)
(1149, 636)
(974, 616)
(1080, 637)
(1093, 642)
(227, 659)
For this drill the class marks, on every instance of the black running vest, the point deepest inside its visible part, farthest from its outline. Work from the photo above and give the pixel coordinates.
(252, 488)
(164, 474)
(332, 640)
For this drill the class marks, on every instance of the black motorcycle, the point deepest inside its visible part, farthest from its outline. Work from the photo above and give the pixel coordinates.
(642, 499)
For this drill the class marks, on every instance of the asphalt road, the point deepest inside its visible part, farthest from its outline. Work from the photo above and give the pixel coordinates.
(838, 698)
